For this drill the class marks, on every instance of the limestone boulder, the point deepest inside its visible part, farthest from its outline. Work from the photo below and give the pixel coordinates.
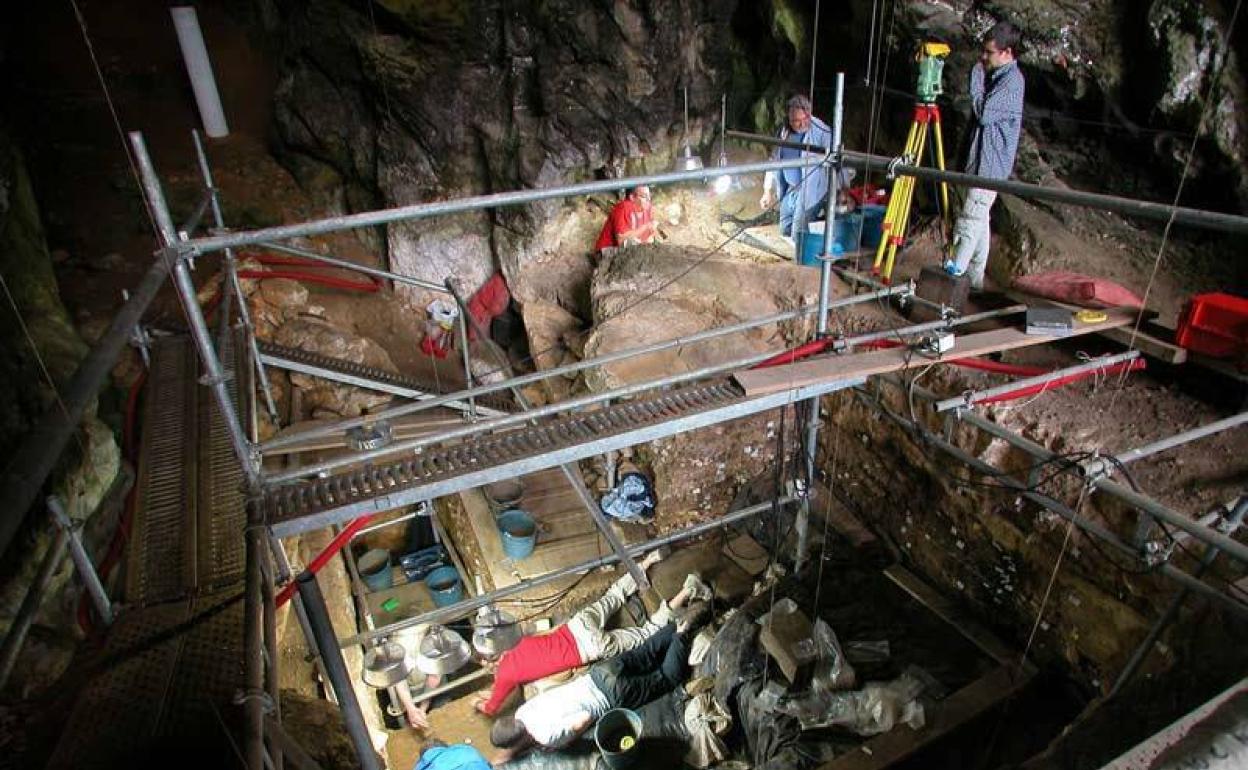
(319, 395)
(549, 328)
(654, 293)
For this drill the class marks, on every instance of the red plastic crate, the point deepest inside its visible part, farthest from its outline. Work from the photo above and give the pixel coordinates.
(1214, 324)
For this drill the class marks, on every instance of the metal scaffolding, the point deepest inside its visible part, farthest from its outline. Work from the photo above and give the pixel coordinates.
(264, 740)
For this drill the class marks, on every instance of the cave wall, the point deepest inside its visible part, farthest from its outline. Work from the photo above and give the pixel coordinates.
(41, 351)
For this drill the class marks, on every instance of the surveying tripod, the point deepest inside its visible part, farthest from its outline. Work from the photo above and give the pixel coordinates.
(931, 59)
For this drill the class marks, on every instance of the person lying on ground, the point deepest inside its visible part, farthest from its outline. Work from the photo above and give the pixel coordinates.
(555, 718)
(584, 638)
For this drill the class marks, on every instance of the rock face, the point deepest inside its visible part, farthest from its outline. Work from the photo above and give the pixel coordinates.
(430, 101)
(637, 299)
(41, 342)
(323, 396)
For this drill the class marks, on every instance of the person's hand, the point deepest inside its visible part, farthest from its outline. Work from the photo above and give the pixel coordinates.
(418, 719)
(768, 200)
(478, 703)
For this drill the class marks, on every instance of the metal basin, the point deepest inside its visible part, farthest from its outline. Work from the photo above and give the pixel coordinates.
(442, 652)
(384, 665)
(496, 632)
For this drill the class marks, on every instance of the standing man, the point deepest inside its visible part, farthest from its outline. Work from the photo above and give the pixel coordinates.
(630, 222)
(997, 112)
(806, 187)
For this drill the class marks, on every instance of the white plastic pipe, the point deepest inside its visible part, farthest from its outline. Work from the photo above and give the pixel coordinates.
(195, 54)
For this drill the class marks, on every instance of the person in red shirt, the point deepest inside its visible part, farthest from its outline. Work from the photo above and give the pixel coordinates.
(584, 638)
(631, 221)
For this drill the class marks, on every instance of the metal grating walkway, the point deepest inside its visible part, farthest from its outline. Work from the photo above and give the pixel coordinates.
(159, 691)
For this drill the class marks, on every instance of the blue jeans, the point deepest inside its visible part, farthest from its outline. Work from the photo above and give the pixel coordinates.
(788, 210)
(640, 675)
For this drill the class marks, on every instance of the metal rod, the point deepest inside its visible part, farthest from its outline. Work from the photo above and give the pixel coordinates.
(461, 609)
(244, 314)
(463, 343)
(1172, 609)
(1210, 220)
(214, 375)
(20, 626)
(1233, 548)
(82, 562)
(802, 521)
(854, 278)
(385, 414)
(363, 382)
(425, 695)
(192, 224)
(387, 523)
(297, 754)
(282, 574)
(444, 538)
(482, 202)
(253, 645)
(970, 399)
(571, 472)
(336, 668)
(39, 453)
(1092, 528)
(576, 403)
(849, 342)
(271, 674)
(1182, 438)
(348, 265)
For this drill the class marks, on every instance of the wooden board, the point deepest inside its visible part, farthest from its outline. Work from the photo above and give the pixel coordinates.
(566, 533)
(759, 382)
(404, 427)
(943, 718)
(1148, 344)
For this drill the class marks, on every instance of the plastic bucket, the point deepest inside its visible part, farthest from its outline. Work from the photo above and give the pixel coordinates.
(872, 224)
(844, 233)
(518, 532)
(618, 735)
(444, 586)
(375, 569)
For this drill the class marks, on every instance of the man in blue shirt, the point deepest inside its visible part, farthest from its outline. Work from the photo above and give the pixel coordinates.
(808, 186)
(997, 110)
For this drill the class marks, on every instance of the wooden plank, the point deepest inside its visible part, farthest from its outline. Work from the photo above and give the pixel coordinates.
(945, 717)
(759, 382)
(1148, 344)
(949, 612)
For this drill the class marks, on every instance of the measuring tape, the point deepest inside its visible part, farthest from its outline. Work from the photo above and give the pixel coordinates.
(1091, 316)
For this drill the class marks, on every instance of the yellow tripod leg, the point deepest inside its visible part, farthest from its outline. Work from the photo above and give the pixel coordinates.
(891, 212)
(946, 221)
(900, 236)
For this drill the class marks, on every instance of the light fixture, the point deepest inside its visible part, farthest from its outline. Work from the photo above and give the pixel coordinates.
(687, 161)
(722, 183)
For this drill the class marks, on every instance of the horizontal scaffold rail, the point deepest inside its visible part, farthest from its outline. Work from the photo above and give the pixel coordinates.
(551, 442)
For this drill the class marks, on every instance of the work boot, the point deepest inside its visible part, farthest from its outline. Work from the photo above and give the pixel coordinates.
(698, 590)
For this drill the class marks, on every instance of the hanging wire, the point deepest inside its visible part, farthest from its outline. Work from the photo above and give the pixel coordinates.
(814, 49)
(43, 367)
(1207, 102)
(385, 92)
(112, 108)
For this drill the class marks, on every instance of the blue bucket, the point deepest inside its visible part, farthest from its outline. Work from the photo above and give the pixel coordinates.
(444, 586)
(375, 569)
(518, 532)
(872, 224)
(844, 238)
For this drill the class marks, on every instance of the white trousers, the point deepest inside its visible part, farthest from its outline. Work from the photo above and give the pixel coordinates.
(588, 625)
(972, 235)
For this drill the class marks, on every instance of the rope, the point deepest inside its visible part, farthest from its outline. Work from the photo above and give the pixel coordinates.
(1207, 101)
(385, 92)
(112, 108)
(814, 49)
(1057, 565)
